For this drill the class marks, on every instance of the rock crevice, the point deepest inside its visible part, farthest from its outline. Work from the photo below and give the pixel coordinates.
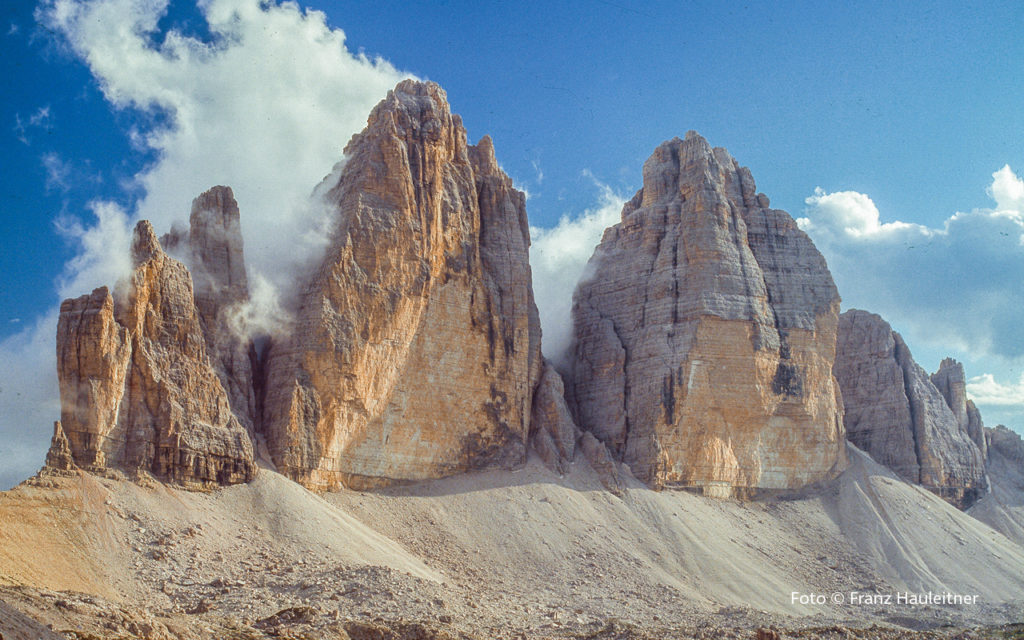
(705, 334)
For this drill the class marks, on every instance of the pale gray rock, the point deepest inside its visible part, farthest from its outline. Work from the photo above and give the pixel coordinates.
(217, 264)
(952, 384)
(1002, 508)
(554, 431)
(897, 415)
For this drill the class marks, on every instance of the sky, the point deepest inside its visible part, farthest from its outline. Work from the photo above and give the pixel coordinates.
(893, 132)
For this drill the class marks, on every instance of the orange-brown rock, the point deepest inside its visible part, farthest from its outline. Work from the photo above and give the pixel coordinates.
(138, 391)
(417, 345)
(212, 249)
(705, 334)
(59, 457)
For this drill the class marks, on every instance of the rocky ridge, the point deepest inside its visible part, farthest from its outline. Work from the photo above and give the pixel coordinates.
(930, 435)
(138, 391)
(705, 334)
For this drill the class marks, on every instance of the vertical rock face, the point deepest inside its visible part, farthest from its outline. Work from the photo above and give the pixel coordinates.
(417, 345)
(952, 384)
(221, 287)
(896, 414)
(705, 334)
(138, 390)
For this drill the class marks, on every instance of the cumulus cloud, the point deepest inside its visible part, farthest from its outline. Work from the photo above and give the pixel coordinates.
(265, 103)
(953, 289)
(984, 389)
(958, 285)
(1001, 403)
(558, 256)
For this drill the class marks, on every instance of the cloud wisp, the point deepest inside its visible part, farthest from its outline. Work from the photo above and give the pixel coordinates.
(265, 104)
(558, 257)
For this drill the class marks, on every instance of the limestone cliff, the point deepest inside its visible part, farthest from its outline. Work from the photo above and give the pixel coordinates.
(416, 349)
(705, 334)
(952, 384)
(212, 249)
(138, 391)
(896, 414)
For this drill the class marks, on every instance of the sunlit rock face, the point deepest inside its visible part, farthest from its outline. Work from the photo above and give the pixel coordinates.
(705, 335)
(897, 414)
(138, 390)
(416, 349)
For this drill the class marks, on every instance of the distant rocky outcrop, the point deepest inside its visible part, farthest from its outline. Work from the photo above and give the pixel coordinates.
(897, 414)
(705, 334)
(952, 384)
(138, 390)
(416, 349)
(1006, 444)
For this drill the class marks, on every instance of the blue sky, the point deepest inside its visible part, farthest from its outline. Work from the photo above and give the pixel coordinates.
(901, 116)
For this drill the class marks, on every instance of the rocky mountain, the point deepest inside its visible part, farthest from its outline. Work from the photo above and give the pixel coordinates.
(709, 356)
(897, 414)
(138, 390)
(705, 334)
(416, 350)
(1002, 507)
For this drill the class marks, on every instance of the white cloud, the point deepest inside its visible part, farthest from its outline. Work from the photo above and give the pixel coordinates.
(855, 216)
(557, 258)
(1008, 192)
(958, 285)
(58, 172)
(265, 106)
(952, 290)
(984, 389)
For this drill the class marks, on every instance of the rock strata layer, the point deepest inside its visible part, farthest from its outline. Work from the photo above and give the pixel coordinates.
(416, 349)
(138, 390)
(705, 334)
(895, 412)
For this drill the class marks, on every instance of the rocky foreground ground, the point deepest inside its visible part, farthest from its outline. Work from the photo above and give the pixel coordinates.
(83, 617)
(525, 554)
